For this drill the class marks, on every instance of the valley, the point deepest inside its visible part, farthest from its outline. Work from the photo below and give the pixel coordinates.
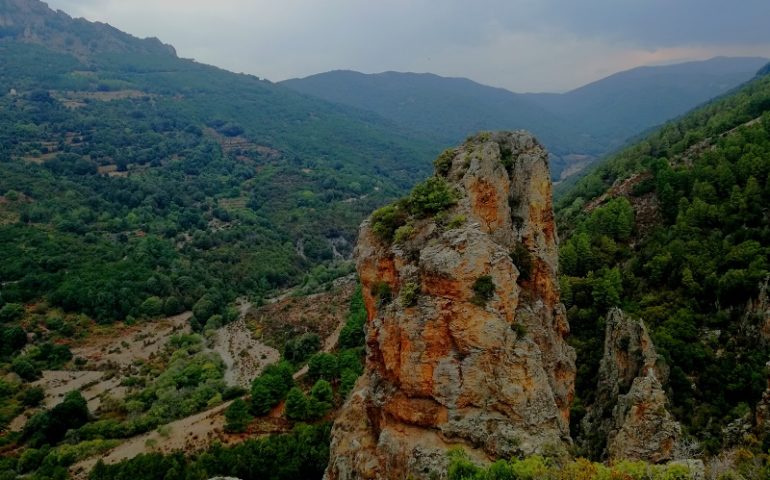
(377, 275)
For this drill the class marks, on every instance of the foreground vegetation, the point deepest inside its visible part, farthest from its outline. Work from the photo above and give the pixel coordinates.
(747, 466)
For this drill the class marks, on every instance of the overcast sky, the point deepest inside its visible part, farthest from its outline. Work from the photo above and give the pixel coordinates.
(522, 45)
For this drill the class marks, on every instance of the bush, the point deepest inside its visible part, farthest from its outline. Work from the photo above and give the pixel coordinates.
(443, 162)
(237, 416)
(298, 349)
(271, 387)
(403, 233)
(430, 197)
(353, 334)
(409, 293)
(297, 406)
(32, 396)
(382, 292)
(323, 366)
(387, 220)
(11, 312)
(483, 290)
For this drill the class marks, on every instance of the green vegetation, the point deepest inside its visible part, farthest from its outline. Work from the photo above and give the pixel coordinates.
(483, 290)
(409, 293)
(352, 334)
(270, 388)
(431, 197)
(140, 205)
(540, 468)
(443, 163)
(684, 249)
(237, 416)
(302, 453)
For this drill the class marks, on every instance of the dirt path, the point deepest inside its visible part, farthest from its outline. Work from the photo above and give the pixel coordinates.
(329, 344)
(189, 434)
(244, 355)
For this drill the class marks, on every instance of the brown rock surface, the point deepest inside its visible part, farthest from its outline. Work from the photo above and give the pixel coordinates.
(495, 377)
(629, 418)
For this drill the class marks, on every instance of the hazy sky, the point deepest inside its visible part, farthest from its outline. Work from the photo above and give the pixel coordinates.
(523, 45)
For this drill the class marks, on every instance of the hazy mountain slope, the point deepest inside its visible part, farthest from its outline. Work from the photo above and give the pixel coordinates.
(576, 127)
(626, 103)
(451, 108)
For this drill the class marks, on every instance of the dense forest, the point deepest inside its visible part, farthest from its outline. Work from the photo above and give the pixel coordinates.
(675, 230)
(137, 188)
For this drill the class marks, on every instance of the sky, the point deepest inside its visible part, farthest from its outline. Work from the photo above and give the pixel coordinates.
(521, 45)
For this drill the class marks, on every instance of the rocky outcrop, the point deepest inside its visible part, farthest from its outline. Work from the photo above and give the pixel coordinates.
(629, 418)
(465, 332)
(32, 21)
(762, 415)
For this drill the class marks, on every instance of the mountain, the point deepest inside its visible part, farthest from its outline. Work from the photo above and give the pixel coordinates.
(627, 103)
(450, 108)
(32, 21)
(576, 127)
(674, 231)
(120, 161)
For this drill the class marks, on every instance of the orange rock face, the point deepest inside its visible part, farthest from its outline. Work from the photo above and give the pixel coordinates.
(449, 366)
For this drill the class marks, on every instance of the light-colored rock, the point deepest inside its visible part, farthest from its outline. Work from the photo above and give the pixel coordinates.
(643, 428)
(495, 378)
(628, 418)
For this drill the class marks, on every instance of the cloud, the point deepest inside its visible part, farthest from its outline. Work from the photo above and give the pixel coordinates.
(524, 45)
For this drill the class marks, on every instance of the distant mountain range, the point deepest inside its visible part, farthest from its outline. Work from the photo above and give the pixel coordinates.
(577, 126)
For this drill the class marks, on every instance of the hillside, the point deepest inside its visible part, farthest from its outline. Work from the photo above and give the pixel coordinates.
(624, 104)
(577, 127)
(122, 163)
(674, 230)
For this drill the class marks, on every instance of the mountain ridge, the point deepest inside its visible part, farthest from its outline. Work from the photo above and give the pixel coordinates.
(577, 127)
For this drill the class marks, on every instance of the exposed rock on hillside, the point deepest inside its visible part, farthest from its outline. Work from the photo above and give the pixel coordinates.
(629, 418)
(465, 338)
(31, 21)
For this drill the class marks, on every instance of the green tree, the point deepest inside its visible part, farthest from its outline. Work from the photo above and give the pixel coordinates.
(237, 416)
(323, 365)
(10, 312)
(297, 407)
(152, 307)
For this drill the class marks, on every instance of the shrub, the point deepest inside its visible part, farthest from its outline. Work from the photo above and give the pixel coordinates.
(11, 312)
(483, 290)
(270, 388)
(297, 407)
(298, 349)
(323, 365)
(403, 233)
(456, 222)
(321, 399)
(387, 220)
(353, 334)
(443, 162)
(431, 196)
(237, 416)
(409, 294)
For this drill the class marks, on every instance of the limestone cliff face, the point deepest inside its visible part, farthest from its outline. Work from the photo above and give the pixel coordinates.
(448, 364)
(628, 418)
